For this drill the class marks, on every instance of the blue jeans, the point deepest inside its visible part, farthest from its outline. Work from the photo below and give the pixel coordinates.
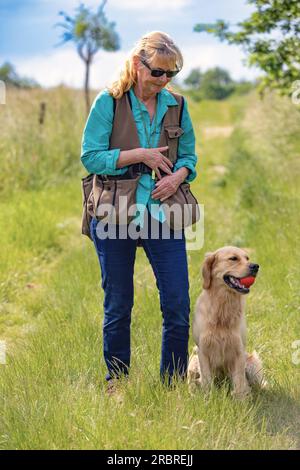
(169, 263)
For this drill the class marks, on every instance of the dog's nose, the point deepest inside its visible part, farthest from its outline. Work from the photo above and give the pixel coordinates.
(253, 268)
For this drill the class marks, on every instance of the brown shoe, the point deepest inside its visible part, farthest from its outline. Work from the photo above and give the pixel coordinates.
(111, 387)
(113, 390)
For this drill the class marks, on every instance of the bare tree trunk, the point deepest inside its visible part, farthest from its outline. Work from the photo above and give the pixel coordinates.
(42, 112)
(86, 86)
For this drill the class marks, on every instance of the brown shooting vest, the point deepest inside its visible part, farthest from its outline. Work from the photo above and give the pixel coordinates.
(124, 134)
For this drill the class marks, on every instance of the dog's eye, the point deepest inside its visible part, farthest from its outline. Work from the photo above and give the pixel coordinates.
(233, 258)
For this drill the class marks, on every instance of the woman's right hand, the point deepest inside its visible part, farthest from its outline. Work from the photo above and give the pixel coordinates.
(156, 160)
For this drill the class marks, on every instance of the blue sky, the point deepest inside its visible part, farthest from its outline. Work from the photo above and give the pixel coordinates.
(28, 37)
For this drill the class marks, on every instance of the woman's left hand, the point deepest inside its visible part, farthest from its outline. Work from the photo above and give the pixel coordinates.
(166, 187)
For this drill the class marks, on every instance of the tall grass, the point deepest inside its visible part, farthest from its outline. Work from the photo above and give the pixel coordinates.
(35, 155)
(52, 390)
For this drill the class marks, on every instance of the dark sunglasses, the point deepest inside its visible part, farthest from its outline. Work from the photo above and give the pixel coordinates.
(160, 72)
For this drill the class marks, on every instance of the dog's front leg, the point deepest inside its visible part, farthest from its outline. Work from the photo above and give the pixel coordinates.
(193, 373)
(206, 378)
(240, 384)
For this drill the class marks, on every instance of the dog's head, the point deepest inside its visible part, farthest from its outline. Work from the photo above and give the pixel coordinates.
(226, 267)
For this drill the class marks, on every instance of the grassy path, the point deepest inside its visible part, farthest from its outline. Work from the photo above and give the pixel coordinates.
(52, 390)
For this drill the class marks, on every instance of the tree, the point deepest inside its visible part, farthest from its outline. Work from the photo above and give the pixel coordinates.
(9, 75)
(216, 84)
(90, 32)
(271, 37)
(193, 80)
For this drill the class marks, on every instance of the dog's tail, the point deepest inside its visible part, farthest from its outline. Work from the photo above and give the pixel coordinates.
(254, 370)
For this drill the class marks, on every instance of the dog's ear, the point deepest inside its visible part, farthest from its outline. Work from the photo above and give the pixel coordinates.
(206, 269)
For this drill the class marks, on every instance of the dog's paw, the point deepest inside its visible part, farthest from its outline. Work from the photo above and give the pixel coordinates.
(194, 387)
(241, 394)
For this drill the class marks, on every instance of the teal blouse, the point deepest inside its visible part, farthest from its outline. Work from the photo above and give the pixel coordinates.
(98, 159)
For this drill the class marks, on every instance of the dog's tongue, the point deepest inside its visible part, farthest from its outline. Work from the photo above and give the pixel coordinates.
(247, 281)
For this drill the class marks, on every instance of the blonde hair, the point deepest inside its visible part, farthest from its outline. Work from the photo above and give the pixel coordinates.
(149, 47)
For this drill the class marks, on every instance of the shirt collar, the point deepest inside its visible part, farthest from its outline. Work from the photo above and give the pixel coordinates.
(168, 98)
(165, 97)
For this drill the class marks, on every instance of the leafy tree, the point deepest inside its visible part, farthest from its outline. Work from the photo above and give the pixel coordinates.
(216, 84)
(271, 37)
(90, 32)
(193, 80)
(9, 75)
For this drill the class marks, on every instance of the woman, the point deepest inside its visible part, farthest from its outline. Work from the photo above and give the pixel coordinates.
(149, 69)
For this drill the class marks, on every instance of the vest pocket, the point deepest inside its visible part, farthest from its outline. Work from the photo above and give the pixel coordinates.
(184, 209)
(86, 185)
(172, 135)
(114, 200)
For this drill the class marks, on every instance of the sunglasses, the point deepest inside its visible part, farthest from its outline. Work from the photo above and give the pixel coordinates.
(160, 72)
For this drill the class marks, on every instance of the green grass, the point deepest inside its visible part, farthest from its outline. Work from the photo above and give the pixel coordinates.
(52, 392)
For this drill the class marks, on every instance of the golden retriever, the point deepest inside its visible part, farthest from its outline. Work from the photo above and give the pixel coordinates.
(219, 326)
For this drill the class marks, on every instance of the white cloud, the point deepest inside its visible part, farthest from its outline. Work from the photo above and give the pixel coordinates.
(151, 5)
(226, 56)
(65, 66)
(161, 5)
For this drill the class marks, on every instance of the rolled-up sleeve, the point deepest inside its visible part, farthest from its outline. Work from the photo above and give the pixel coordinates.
(186, 156)
(96, 156)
